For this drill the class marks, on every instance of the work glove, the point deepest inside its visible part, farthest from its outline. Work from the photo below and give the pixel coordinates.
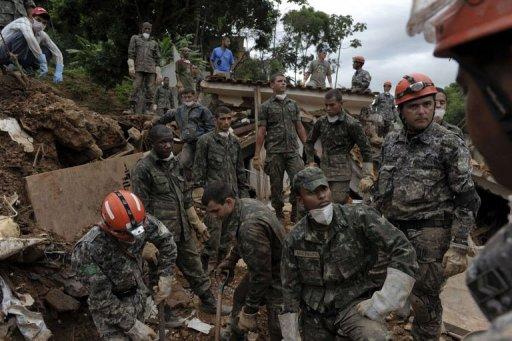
(455, 260)
(197, 194)
(391, 297)
(131, 67)
(57, 76)
(43, 65)
(201, 230)
(150, 253)
(163, 289)
(256, 163)
(289, 323)
(246, 321)
(141, 332)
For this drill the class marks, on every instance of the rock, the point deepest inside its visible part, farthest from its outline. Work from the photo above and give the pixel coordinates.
(134, 134)
(60, 301)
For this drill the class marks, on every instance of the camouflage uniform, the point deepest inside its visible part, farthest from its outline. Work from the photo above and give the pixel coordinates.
(452, 128)
(219, 158)
(160, 186)
(193, 122)
(13, 9)
(113, 272)
(318, 71)
(325, 271)
(184, 74)
(384, 105)
(361, 80)
(338, 139)
(279, 118)
(163, 99)
(425, 189)
(259, 235)
(146, 54)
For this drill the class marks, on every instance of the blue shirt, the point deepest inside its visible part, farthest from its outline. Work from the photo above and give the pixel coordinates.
(222, 59)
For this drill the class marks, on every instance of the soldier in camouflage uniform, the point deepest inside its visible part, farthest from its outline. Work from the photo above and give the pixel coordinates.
(384, 105)
(477, 36)
(425, 189)
(361, 78)
(13, 9)
(339, 132)
(144, 65)
(184, 71)
(326, 258)
(440, 111)
(157, 181)
(319, 69)
(258, 238)
(219, 157)
(163, 98)
(278, 127)
(108, 260)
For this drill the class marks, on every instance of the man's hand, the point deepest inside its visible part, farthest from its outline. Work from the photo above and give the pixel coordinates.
(365, 184)
(246, 321)
(312, 164)
(197, 194)
(455, 260)
(150, 253)
(141, 332)
(131, 67)
(163, 289)
(202, 233)
(256, 163)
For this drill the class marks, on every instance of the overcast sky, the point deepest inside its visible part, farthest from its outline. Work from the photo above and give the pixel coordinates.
(389, 52)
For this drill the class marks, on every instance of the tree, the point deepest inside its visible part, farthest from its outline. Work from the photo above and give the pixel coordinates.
(455, 109)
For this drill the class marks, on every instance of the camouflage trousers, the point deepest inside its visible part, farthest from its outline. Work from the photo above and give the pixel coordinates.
(275, 166)
(346, 325)
(340, 191)
(143, 82)
(189, 263)
(430, 245)
(217, 247)
(274, 308)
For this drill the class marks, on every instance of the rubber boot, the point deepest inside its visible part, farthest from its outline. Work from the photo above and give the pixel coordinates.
(209, 304)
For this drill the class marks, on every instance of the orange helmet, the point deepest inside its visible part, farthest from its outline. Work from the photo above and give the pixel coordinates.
(359, 59)
(123, 211)
(469, 21)
(387, 83)
(414, 86)
(41, 12)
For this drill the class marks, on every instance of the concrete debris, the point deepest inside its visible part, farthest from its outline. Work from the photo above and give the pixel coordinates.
(12, 246)
(61, 302)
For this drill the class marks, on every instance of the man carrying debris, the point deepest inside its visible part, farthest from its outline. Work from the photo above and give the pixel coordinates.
(184, 71)
(339, 132)
(108, 259)
(441, 104)
(157, 181)
(279, 126)
(258, 236)
(144, 66)
(326, 258)
(194, 120)
(426, 190)
(478, 37)
(219, 158)
(163, 98)
(384, 106)
(319, 69)
(361, 78)
(222, 59)
(11, 10)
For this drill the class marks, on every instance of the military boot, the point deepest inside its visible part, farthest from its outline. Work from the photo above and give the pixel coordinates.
(209, 304)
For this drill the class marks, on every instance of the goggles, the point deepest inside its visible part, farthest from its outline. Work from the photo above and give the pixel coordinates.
(413, 87)
(133, 227)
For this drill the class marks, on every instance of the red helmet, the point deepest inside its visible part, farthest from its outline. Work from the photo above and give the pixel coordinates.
(359, 59)
(41, 12)
(123, 211)
(414, 86)
(467, 21)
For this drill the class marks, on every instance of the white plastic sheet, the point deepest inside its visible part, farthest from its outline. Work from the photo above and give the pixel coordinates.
(11, 126)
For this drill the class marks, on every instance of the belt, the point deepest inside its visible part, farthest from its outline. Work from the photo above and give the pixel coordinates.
(416, 224)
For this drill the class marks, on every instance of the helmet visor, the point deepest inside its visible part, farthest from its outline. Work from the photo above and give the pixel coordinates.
(414, 87)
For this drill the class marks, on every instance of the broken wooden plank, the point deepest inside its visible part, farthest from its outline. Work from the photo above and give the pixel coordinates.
(68, 200)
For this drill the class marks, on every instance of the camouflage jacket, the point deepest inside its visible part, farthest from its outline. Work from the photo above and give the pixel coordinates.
(13, 9)
(319, 70)
(384, 105)
(427, 177)
(338, 139)
(327, 274)
(164, 192)
(220, 158)
(184, 74)
(112, 270)
(452, 128)
(280, 117)
(163, 97)
(145, 53)
(193, 121)
(259, 236)
(361, 80)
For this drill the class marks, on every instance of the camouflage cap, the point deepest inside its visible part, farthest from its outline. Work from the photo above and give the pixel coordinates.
(310, 178)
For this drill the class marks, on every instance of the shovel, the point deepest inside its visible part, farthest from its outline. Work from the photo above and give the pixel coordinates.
(161, 321)
(218, 314)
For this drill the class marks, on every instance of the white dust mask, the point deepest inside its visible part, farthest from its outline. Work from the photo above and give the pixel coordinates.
(281, 97)
(145, 35)
(439, 113)
(322, 215)
(332, 119)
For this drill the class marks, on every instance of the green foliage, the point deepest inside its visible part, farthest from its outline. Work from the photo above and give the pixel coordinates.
(258, 69)
(123, 91)
(455, 110)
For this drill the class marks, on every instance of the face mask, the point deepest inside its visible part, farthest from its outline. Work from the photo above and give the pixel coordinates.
(169, 157)
(439, 113)
(322, 215)
(37, 26)
(189, 104)
(332, 119)
(145, 35)
(281, 97)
